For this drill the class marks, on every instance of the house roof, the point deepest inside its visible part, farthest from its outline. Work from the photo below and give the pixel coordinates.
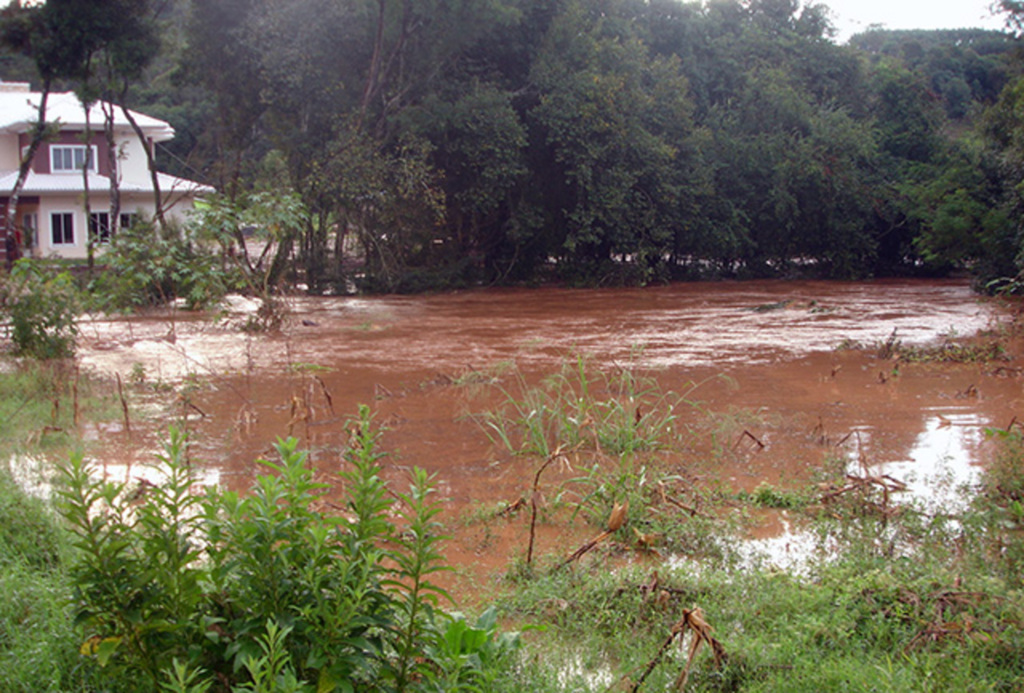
(41, 183)
(19, 109)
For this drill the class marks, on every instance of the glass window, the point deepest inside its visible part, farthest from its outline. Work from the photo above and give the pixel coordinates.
(99, 227)
(66, 157)
(62, 228)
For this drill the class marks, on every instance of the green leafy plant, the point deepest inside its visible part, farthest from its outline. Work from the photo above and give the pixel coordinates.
(618, 413)
(275, 219)
(43, 310)
(147, 267)
(264, 592)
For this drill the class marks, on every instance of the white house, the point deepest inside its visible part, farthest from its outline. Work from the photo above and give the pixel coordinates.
(51, 206)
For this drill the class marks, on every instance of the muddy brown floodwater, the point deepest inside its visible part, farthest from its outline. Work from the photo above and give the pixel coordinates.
(768, 358)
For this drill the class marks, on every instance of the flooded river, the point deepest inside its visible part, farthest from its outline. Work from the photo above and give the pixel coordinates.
(771, 362)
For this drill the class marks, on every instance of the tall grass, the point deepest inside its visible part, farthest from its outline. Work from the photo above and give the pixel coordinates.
(38, 642)
(618, 412)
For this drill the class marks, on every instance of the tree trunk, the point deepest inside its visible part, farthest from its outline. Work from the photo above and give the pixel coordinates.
(90, 233)
(38, 134)
(115, 184)
(151, 160)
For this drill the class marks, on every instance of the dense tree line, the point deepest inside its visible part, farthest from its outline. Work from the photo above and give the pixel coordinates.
(441, 143)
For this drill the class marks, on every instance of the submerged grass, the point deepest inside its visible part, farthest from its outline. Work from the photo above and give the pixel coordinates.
(950, 350)
(892, 597)
(42, 404)
(926, 620)
(579, 407)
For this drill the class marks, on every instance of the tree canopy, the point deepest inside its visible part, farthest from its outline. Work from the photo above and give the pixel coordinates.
(443, 143)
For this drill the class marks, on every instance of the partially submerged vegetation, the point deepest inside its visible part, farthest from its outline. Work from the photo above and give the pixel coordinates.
(892, 595)
(301, 586)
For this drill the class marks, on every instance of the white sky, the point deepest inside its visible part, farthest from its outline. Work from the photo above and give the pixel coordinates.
(852, 16)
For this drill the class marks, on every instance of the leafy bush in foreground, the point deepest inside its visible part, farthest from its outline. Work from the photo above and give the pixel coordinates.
(265, 592)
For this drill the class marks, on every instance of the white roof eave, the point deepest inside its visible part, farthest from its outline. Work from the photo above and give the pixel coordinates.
(19, 112)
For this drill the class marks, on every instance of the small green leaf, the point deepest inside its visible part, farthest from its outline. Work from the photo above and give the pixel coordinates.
(105, 649)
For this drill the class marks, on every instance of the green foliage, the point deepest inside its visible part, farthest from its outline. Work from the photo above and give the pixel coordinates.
(42, 308)
(38, 643)
(620, 413)
(146, 267)
(617, 121)
(597, 142)
(768, 496)
(264, 592)
(38, 640)
(28, 532)
(441, 145)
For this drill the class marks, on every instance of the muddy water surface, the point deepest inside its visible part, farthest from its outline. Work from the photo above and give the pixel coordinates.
(769, 360)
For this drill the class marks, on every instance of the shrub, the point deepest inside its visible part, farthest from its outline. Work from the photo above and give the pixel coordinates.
(148, 268)
(265, 592)
(42, 309)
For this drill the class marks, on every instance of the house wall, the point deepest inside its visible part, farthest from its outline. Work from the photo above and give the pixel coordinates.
(130, 152)
(43, 245)
(45, 200)
(132, 160)
(9, 159)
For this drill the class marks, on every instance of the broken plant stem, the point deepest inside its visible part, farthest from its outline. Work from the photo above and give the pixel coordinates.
(615, 521)
(692, 622)
(535, 501)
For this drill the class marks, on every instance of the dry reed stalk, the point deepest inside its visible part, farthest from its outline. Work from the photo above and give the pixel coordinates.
(864, 485)
(36, 437)
(693, 510)
(76, 414)
(943, 625)
(693, 620)
(245, 420)
(326, 393)
(189, 404)
(512, 508)
(299, 412)
(124, 407)
(747, 434)
(535, 500)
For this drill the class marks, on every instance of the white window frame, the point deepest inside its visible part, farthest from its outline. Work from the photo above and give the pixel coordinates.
(53, 238)
(96, 227)
(57, 152)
